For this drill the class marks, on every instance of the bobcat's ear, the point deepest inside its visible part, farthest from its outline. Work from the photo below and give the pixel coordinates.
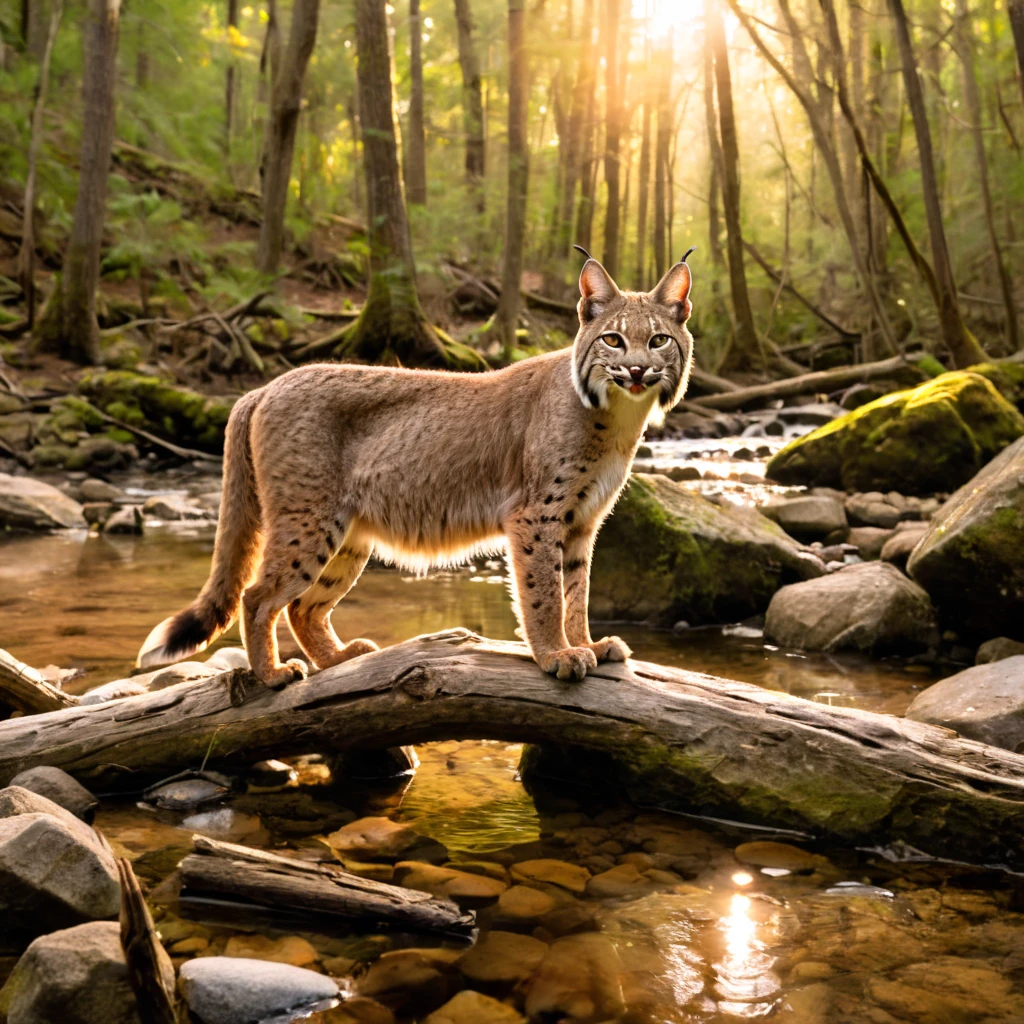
(597, 290)
(673, 291)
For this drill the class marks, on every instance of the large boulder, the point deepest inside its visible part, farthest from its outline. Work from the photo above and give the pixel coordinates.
(74, 976)
(983, 703)
(868, 607)
(28, 504)
(667, 554)
(932, 438)
(56, 785)
(971, 560)
(51, 877)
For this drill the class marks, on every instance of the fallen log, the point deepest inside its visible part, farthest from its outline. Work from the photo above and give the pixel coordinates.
(815, 383)
(676, 739)
(25, 690)
(283, 883)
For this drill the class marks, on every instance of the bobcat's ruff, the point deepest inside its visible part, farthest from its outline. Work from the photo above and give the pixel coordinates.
(330, 463)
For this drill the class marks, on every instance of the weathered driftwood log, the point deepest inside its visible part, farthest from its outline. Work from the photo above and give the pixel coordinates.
(282, 883)
(672, 738)
(24, 689)
(897, 367)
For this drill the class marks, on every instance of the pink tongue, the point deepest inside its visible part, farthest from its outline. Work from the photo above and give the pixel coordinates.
(637, 388)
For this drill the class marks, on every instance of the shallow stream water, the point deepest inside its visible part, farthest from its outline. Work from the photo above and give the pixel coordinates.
(827, 935)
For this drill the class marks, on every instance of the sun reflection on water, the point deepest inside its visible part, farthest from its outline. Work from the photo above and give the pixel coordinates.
(746, 984)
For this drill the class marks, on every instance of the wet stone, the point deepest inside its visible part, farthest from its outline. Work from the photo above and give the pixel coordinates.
(552, 872)
(779, 855)
(407, 981)
(61, 788)
(291, 949)
(503, 958)
(384, 839)
(468, 890)
(359, 1010)
(578, 981)
(474, 1008)
(523, 906)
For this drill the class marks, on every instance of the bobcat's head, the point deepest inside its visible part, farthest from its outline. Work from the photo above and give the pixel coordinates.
(631, 342)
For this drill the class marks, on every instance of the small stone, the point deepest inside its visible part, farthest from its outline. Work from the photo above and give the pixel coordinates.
(807, 518)
(29, 504)
(61, 788)
(578, 981)
(116, 690)
(872, 510)
(624, 880)
(552, 872)
(503, 958)
(228, 658)
(97, 513)
(99, 490)
(869, 540)
(267, 774)
(125, 520)
(292, 949)
(189, 947)
(339, 966)
(468, 890)
(810, 970)
(998, 649)
(16, 800)
(408, 982)
(898, 548)
(359, 1010)
(474, 1008)
(681, 473)
(229, 990)
(766, 854)
(384, 839)
(523, 906)
(171, 508)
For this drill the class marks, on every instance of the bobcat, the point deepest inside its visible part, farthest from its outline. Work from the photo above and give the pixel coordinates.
(330, 463)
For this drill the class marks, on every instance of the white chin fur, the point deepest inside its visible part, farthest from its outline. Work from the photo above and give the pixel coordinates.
(153, 652)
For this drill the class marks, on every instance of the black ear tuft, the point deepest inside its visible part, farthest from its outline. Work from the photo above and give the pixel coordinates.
(597, 290)
(673, 290)
(579, 248)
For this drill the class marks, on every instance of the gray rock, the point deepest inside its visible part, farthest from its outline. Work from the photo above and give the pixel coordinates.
(971, 560)
(869, 541)
(61, 788)
(899, 547)
(1000, 648)
(51, 878)
(98, 512)
(125, 520)
(228, 658)
(74, 976)
(171, 507)
(236, 990)
(868, 607)
(983, 703)
(99, 490)
(118, 689)
(28, 504)
(16, 800)
(147, 682)
(872, 510)
(807, 518)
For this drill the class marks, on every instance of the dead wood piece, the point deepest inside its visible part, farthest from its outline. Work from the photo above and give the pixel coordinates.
(821, 381)
(711, 382)
(23, 688)
(282, 883)
(670, 738)
(175, 449)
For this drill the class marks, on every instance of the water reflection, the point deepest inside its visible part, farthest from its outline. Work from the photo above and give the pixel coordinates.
(746, 984)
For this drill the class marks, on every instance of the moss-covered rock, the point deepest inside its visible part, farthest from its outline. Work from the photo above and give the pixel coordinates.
(667, 554)
(971, 560)
(167, 410)
(1007, 378)
(934, 437)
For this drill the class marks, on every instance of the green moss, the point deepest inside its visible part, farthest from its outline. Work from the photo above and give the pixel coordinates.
(1007, 378)
(931, 438)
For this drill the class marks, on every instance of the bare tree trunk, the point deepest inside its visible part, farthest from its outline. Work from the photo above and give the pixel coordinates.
(285, 104)
(661, 154)
(878, 228)
(141, 55)
(613, 133)
(588, 164)
(963, 346)
(507, 315)
(965, 44)
(27, 253)
(1015, 11)
(230, 76)
(582, 91)
(472, 100)
(69, 324)
(644, 172)
(392, 327)
(745, 350)
(714, 161)
(416, 147)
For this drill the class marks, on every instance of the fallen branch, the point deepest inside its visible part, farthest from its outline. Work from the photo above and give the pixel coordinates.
(671, 738)
(24, 689)
(283, 883)
(711, 382)
(175, 449)
(234, 312)
(822, 381)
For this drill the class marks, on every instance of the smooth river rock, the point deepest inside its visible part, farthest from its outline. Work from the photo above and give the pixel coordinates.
(470, 1007)
(29, 504)
(868, 607)
(577, 982)
(61, 788)
(809, 517)
(383, 839)
(983, 703)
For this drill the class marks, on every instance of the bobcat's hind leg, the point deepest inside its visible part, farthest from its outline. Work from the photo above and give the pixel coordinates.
(297, 550)
(310, 615)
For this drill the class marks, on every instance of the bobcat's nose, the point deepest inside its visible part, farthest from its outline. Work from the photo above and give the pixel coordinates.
(637, 373)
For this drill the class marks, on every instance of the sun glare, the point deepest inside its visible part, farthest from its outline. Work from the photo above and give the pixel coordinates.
(667, 17)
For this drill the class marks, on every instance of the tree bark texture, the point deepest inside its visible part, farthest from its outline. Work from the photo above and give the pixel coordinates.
(1015, 12)
(644, 174)
(472, 98)
(662, 177)
(285, 105)
(25, 690)
(507, 316)
(962, 345)
(69, 326)
(416, 145)
(614, 104)
(230, 77)
(676, 739)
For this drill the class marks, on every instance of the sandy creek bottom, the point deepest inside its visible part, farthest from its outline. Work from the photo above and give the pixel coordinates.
(843, 936)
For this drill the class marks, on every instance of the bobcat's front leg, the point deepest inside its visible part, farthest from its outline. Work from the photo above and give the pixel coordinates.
(535, 551)
(576, 572)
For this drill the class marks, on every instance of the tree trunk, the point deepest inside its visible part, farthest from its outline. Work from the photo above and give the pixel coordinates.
(613, 133)
(1015, 12)
(878, 228)
(582, 91)
(965, 44)
(588, 165)
(416, 147)
(745, 350)
(230, 77)
(392, 327)
(69, 325)
(507, 315)
(661, 154)
(285, 104)
(962, 345)
(714, 161)
(671, 738)
(27, 253)
(644, 172)
(472, 101)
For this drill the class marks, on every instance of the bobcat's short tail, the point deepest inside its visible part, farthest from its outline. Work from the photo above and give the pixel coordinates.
(234, 555)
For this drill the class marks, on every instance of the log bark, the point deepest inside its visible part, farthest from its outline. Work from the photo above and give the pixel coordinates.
(282, 883)
(676, 739)
(25, 690)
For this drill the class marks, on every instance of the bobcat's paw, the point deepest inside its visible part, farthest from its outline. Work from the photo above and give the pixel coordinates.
(610, 648)
(572, 663)
(292, 671)
(356, 647)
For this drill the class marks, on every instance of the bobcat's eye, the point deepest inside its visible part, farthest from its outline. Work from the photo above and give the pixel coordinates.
(659, 341)
(613, 340)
